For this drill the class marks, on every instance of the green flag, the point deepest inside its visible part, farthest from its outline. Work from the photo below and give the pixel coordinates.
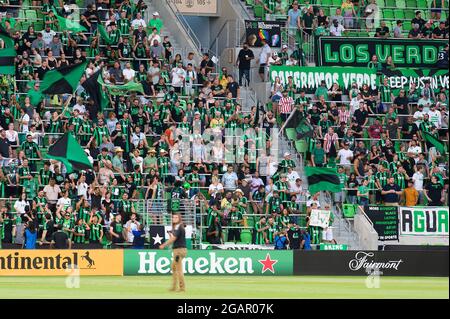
(121, 89)
(103, 34)
(7, 54)
(440, 146)
(304, 129)
(95, 91)
(63, 80)
(323, 179)
(70, 153)
(69, 25)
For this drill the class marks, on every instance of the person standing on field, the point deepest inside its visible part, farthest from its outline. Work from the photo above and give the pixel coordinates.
(178, 241)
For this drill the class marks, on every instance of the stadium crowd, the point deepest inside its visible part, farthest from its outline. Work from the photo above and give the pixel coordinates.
(137, 143)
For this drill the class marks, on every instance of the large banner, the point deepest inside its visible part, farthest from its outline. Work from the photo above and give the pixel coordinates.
(343, 51)
(309, 78)
(385, 221)
(255, 31)
(46, 262)
(401, 78)
(425, 221)
(320, 218)
(207, 262)
(432, 263)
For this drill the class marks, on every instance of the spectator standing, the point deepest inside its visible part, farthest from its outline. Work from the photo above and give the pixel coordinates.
(243, 62)
(391, 193)
(264, 57)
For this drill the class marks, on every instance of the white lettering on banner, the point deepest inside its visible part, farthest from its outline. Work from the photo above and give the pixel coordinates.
(312, 80)
(361, 261)
(424, 221)
(148, 264)
(400, 82)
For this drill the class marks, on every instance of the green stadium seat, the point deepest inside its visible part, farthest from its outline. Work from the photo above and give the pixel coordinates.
(407, 26)
(422, 4)
(401, 4)
(411, 3)
(332, 11)
(380, 4)
(246, 237)
(301, 146)
(409, 14)
(388, 14)
(327, 3)
(390, 3)
(349, 210)
(250, 3)
(399, 14)
(291, 134)
(336, 3)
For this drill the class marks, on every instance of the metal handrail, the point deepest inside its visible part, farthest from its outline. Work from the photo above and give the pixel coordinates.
(185, 25)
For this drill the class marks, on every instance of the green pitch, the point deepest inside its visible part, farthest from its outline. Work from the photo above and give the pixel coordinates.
(225, 287)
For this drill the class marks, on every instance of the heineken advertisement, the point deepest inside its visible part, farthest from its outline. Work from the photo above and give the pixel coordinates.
(425, 221)
(309, 78)
(332, 247)
(385, 221)
(207, 262)
(256, 31)
(401, 78)
(339, 51)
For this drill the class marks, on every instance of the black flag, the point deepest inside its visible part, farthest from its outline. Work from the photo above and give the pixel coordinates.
(157, 236)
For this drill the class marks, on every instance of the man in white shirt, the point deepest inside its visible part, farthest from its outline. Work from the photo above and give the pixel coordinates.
(414, 150)
(264, 59)
(230, 179)
(154, 72)
(418, 115)
(47, 35)
(138, 21)
(79, 109)
(336, 29)
(345, 155)
(128, 72)
(435, 116)
(292, 177)
(154, 36)
(418, 183)
(297, 189)
(178, 76)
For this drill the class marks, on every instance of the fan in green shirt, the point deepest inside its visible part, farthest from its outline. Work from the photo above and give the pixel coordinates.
(155, 22)
(260, 230)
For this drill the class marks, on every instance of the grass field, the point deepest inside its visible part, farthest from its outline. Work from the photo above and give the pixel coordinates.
(224, 287)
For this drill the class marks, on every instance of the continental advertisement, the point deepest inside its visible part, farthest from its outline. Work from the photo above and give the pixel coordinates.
(343, 51)
(310, 78)
(207, 262)
(47, 262)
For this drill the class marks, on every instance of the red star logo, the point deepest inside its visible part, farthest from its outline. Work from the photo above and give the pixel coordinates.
(268, 264)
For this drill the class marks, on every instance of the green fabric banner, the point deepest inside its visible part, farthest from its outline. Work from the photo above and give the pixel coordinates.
(309, 78)
(121, 89)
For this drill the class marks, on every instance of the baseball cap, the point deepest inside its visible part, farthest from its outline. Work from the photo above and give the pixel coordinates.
(156, 13)
(286, 154)
(285, 46)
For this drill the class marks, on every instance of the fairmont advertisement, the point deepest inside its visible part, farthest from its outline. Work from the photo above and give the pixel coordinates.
(207, 262)
(340, 51)
(364, 263)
